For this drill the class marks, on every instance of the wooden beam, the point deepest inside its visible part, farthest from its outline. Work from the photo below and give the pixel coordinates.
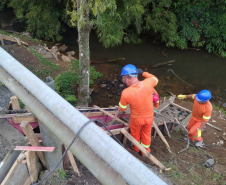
(15, 103)
(180, 107)
(136, 143)
(18, 174)
(10, 107)
(32, 165)
(167, 130)
(73, 163)
(13, 39)
(27, 129)
(112, 116)
(18, 120)
(66, 161)
(91, 114)
(35, 148)
(116, 115)
(116, 131)
(21, 157)
(15, 115)
(162, 137)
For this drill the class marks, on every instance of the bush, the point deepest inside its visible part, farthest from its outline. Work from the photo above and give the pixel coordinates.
(65, 81)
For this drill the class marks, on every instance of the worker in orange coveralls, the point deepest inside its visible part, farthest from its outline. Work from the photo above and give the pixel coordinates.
(139, 96)
(201, 114)
(156, 99)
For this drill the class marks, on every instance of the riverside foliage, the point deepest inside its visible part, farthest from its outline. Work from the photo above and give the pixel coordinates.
(177, 23)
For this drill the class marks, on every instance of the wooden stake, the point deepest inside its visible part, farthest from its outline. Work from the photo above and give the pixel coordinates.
(18, 120)
(167, 129)
(217, 128)
(116, 115)
(109, 114)
(66, 161)
(27, 129)
(73, 163)
(32, 164)
(162, 137)
(164, 99)
(136, 143)
(15, 103)
(155, 132)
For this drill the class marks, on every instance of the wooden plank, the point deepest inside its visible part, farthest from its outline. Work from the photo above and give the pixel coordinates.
(181, 107)
(92, 114)
(115, 131)
(15, 103)
(163, 106)
(35, 148)
(18, 174)
(142, 149)
(15, 115)
(21, 157)
(116, 115)
(167, 130)
(18, 120)
(66, 161)
(73, 163)
(186, 120)
(27, 129)
(32, 165)
(109, 114)
(10, 107)
(162, 137)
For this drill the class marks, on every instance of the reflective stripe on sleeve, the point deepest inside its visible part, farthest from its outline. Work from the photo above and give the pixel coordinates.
(145, 146)
(193, 96)
(122, 106)
(206, 117)
(155, 80)
(157, 102)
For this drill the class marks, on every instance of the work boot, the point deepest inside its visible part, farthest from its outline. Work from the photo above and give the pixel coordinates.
(133, 148)
(199, 143)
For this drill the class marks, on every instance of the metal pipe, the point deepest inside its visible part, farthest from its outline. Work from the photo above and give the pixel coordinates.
(99, 168)
(130, 168)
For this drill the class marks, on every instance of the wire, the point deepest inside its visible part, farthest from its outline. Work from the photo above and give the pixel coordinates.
(188, 140)
(181, 79)
(76, 135)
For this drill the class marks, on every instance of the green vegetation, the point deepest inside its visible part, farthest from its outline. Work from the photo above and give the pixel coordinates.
(44, 61)
(218, 108)
(65, 81)
(62, 174)
(177, 23)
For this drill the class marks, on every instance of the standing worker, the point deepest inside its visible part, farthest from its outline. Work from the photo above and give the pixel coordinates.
(201, 114)
(139, 96)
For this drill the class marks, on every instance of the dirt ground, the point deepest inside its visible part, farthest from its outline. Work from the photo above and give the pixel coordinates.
(188, 164)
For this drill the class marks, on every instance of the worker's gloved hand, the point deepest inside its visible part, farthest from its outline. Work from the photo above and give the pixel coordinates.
(140, 71)
(180, 96)
(199, 133)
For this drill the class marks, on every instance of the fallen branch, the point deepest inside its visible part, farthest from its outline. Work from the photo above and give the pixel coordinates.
(217, 128)
(163, 63)
(117, 59)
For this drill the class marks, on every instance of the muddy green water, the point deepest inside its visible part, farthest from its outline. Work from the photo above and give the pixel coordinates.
(198, 68)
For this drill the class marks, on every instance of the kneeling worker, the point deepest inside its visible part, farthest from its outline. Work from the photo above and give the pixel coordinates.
(201, 114)
(139, 95)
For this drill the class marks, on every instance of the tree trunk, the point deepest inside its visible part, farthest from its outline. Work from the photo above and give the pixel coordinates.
(84, 53)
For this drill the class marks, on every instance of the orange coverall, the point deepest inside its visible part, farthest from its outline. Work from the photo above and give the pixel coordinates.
(157, 103)
(140, 99)
(200, 113)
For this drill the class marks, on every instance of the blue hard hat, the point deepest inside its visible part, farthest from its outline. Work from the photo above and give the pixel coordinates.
(203, 95)
(129, 70)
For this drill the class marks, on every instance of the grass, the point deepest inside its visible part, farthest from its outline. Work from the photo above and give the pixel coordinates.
(19, 36)
(44, 61)
(219, 108)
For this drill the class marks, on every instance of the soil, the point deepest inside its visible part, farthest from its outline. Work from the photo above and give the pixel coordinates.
(192, 158)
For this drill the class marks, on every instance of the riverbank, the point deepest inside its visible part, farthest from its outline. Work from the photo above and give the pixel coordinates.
(193, 157)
